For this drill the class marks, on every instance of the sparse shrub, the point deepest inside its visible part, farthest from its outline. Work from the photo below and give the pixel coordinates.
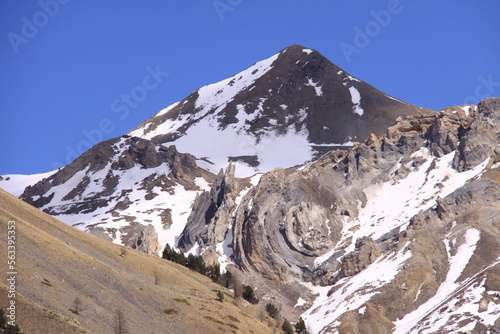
(234, 319)
(3, 319)
(220, 296)
(272, 310)
(300, 327)
(170, 311)
(232, 326)
(213, 272)
(287, 327)
(182, 300)
(214, 320)
(13, 329)
(193, 262)
(46, 282)
(77, 306)
(123, 251)
(157, 278)
(228, 278)
(5, 327)
(196, 263)
(9, 329)
(120, 323)
(249, 295)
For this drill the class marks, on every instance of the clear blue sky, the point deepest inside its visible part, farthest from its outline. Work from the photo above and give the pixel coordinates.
(65, 65)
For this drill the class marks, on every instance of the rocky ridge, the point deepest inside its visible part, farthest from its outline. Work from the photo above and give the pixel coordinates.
(282, 111)
(122, 190)
(397, 234)
(329, 223)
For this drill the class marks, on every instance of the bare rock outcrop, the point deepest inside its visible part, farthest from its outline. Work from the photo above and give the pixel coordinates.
(293, 218)
(480, 140)
(128, 181)
(212, 213)
(141, 237)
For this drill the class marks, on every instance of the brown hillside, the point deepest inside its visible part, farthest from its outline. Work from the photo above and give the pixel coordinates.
(57, 264)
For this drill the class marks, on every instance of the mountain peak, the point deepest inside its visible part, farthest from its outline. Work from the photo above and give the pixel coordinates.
(280, 112)
(296, 48)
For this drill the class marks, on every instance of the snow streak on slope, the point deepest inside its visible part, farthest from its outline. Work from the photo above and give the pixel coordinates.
(133, 199)
(316, 85)
(356, 101)
(391, 205)
(352, 292)
(411, 195)
(211, 98)
(206, 140)
(457, 265)
(225, 248)
(16, 183)
(268, 148)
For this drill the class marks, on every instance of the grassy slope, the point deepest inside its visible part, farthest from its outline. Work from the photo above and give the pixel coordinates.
(57, 263)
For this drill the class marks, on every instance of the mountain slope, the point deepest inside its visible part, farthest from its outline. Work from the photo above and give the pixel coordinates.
(381, 233)
(57, 264)
(122, 186)
(280, 112)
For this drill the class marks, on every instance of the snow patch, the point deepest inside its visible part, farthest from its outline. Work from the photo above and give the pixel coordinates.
(16, 183)
(353, 292)
(457, 265)
(356, 101)
(213, 97)
(167, 109)
(300, 302)
(415, 193)
(317, 87)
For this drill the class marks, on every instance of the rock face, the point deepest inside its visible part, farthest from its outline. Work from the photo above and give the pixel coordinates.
(211, 217)
(402, 223)
(141, 237)
(482, 141)
(294, 96)
(399, 233)
(123, 189)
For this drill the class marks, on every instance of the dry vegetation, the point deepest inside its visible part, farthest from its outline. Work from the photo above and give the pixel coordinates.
(61, 268)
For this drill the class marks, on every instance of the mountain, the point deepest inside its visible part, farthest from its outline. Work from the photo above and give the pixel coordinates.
(138, 189)
(126, 190)
(399, 234)
(281, 112)
(70, 282)
(396, 232)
